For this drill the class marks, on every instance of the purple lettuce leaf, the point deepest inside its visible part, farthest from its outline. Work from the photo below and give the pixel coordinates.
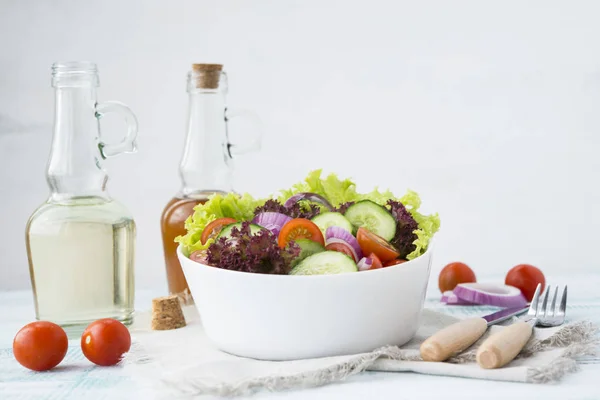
(297, 210)
(258, 253)
(342, 208)
(405, 227)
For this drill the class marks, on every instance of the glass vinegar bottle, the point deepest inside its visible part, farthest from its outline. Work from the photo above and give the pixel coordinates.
(80, 242)
(207, 162)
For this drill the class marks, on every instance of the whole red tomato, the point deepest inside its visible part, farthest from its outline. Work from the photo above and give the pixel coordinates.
(105, 341)
(525, 277)
(40, 346)
(453, 274)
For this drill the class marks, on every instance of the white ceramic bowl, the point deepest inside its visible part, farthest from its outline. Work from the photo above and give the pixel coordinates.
(287, 317)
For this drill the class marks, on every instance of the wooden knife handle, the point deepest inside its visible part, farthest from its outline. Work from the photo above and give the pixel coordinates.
(502, 347)
(453, 339)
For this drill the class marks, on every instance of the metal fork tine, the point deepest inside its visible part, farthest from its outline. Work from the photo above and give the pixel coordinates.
(533, 307)
(563, 303)
(553, 306)
(544, 307)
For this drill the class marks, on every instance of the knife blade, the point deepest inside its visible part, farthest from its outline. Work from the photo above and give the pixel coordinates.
(504, 314)
(455, 338)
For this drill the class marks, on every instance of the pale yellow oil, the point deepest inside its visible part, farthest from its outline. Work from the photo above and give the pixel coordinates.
(81, 260)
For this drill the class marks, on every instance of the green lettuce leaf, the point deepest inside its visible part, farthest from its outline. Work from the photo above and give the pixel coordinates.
(428, 224)
(231, 205)
(332, 188)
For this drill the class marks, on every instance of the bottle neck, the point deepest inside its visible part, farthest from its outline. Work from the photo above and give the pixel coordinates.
(74, 168)
(206, 165)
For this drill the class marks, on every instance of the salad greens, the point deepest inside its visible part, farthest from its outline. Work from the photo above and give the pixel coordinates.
(335, 190)
(341, 193)
(231, 205)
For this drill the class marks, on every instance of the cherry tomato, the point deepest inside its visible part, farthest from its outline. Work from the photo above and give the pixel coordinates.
(213, 229)
(342, 248)
(376, 262)
(453, 274)
(393, 262)
(525, 277)
(199, 256)
(372, 243)
(40, 346)
(300, 228)
(105, 341)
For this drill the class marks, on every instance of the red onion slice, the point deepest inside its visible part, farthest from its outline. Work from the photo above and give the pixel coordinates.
(315, 198)
(272, 221)
(335, 232)
(200, 256)
(448, 297)
(490, 294)
(364, 264)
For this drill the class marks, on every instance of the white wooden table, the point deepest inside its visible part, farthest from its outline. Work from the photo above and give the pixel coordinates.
(84, 380)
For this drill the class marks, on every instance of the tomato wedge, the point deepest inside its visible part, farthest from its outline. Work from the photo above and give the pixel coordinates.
(341, 248)
(372, 243)
(376, 262)
(299, 228)
(213, 229)
(395, 261)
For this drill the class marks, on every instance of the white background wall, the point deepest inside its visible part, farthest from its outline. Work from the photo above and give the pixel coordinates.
(488, 109)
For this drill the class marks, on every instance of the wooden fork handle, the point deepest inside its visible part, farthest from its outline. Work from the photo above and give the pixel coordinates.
(453, 339)
(502, 347)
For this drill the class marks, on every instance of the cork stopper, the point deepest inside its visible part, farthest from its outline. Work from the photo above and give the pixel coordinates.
(167, 313)
(207, 75)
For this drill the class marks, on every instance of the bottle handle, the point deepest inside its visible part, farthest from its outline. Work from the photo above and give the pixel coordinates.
(254, 144)
(128, 144)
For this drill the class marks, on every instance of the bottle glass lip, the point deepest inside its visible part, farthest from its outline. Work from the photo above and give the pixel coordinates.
(74, 73)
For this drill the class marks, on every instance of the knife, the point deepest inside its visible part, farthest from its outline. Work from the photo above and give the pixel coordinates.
(457, 337)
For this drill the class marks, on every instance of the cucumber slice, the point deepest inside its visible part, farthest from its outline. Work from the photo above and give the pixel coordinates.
(226, 231)
(327, 219)
(307, 248)
(373, 217)
(324, 263)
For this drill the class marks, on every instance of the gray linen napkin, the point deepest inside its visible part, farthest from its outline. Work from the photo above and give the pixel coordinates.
(183, 362)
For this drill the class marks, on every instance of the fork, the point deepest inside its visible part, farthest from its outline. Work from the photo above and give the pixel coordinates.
(502, 347)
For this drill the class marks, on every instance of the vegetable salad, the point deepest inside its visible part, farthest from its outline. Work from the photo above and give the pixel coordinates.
(319, 226)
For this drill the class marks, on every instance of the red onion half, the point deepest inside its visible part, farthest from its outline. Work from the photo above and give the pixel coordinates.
(448, 297)
(490, 294)
(335, 234)
(272, 221)
(364, 264)
(315, 198)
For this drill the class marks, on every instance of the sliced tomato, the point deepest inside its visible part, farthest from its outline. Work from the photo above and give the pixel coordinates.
(395, 261)
(342, 248)
(372, 243)
(213, 229)
(300, 228)
(376, 262)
